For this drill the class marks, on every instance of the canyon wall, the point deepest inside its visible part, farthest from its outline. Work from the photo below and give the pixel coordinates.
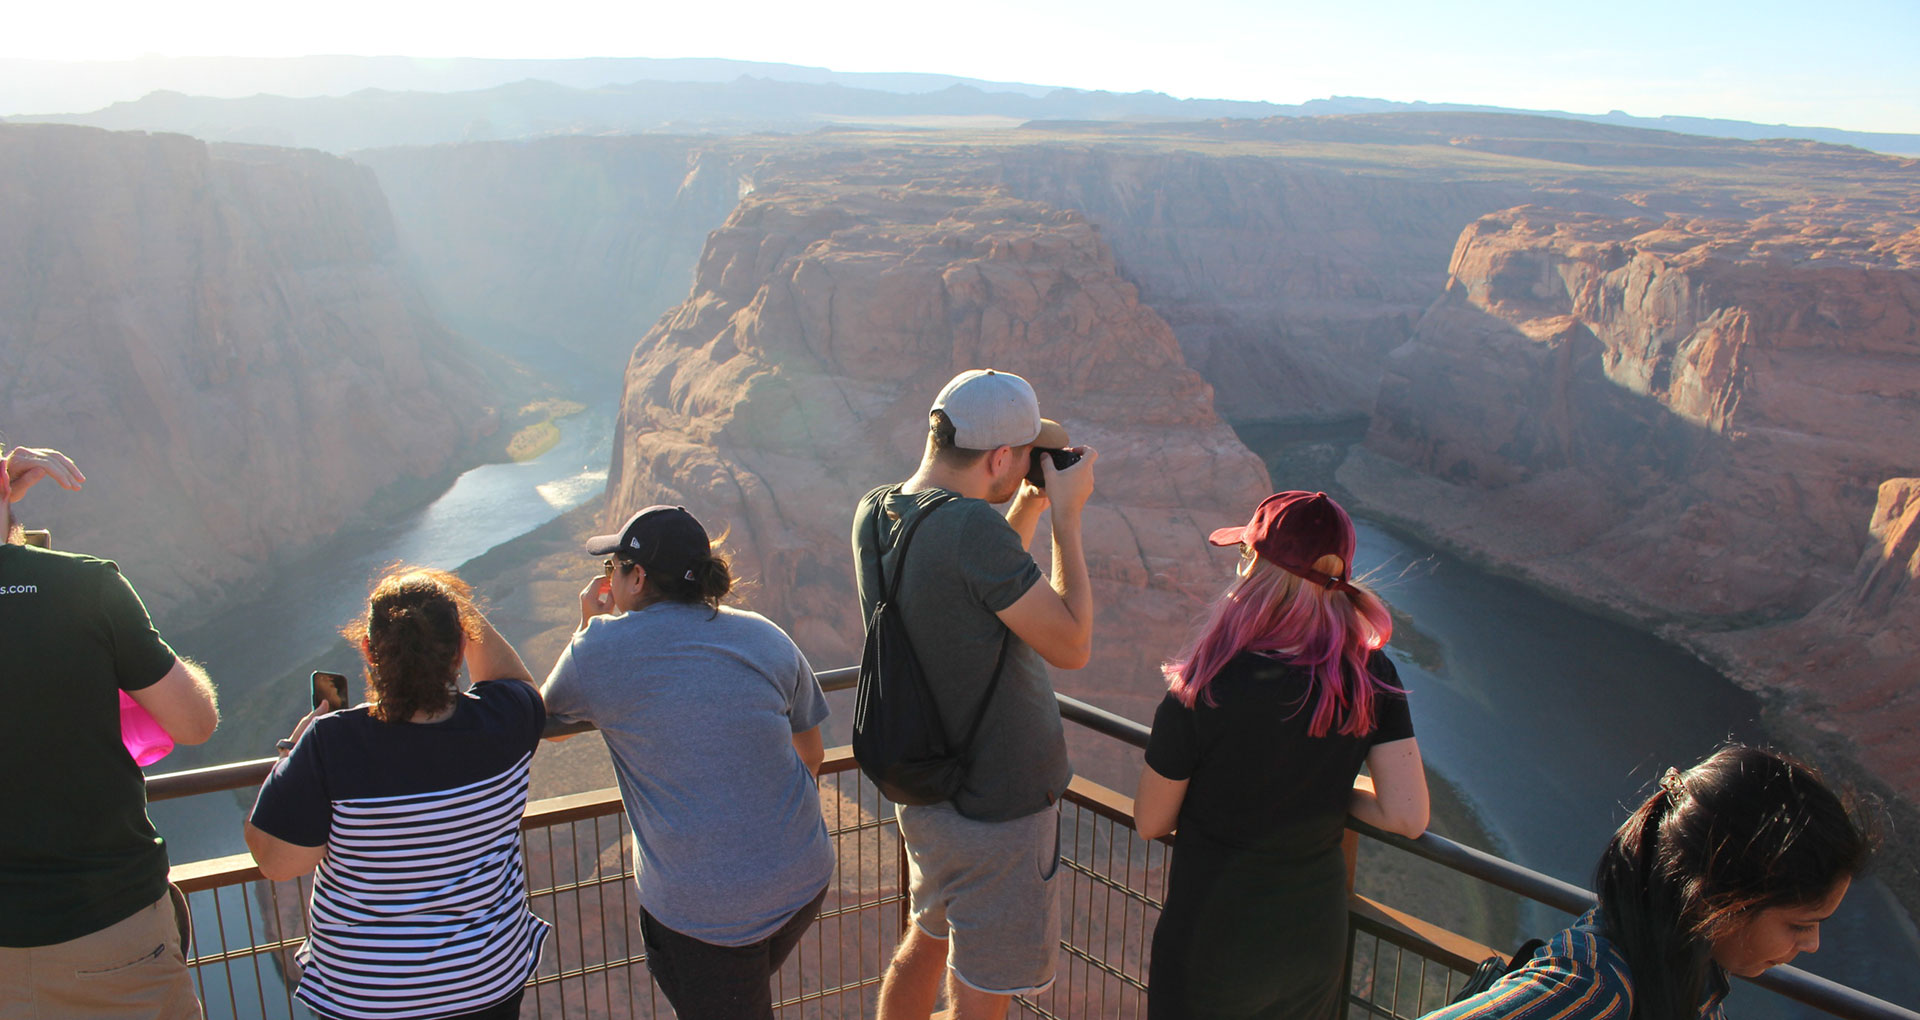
(561, 252)
(226, 342)
(1705, 424)
(797, 375)
(1287, 284)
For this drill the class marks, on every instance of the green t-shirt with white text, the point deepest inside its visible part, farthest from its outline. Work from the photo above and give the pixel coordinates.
(77, 852)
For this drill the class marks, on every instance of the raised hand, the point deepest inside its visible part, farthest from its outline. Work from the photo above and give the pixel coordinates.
(27, 466)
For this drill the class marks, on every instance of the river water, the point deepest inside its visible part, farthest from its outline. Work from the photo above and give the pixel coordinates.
(1547, 719)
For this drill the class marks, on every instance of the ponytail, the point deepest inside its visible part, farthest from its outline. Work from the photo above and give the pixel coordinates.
(414, 633)
(707, 582)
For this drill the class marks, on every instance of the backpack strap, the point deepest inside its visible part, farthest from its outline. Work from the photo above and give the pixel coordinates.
(880, 555)
(893, 591)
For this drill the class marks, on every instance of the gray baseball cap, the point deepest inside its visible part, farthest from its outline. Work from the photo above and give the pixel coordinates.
(990, 409)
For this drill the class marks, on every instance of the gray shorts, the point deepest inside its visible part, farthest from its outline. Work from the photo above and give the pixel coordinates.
(988, 889)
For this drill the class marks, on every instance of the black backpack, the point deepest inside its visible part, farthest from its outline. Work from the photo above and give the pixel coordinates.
(1493, 968)
(899, 738)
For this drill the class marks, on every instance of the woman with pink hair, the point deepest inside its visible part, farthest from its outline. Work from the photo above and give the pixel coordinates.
(1254, 760)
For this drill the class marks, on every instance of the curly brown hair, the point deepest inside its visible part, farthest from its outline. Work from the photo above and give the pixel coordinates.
(414, 634)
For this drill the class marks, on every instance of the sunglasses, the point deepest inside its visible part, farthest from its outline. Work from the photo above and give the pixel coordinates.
(611, 562)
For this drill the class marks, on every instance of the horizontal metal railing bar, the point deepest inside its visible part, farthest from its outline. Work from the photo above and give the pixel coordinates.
(1102, 966)
(1126, 891)
(1486, 867)
(1409, 932)
(211, 779)
(824, 993)
(1830, 996)
(603, 967)
(581, 886)
(248, 952)
(860, 907)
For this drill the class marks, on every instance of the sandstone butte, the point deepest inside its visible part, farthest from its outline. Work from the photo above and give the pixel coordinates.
(823, 319)
(224, 339)
(1708, 425)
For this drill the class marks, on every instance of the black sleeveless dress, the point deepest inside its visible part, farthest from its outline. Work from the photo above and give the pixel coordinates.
(1255, 923)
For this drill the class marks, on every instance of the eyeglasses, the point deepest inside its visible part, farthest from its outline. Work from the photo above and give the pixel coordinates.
(612, 562)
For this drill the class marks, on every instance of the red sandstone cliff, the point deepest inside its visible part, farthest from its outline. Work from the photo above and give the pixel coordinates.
(1851, 664)
(1692, 421)
(823, 319)
(224, 340)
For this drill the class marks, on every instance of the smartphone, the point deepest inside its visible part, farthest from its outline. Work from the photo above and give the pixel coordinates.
(330, 689)
(1062, 460)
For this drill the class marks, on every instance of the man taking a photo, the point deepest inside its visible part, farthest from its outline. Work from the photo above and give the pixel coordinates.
(985, 909)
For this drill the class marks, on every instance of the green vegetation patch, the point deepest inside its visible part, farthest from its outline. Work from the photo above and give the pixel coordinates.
(537, 432)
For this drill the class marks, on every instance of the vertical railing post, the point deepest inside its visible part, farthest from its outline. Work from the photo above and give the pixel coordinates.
(906, 901)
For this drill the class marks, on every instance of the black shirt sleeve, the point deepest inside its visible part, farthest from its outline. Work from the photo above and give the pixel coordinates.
(140, 658)
(293, 804)
(1174, 747)
(518, 706)
(1391, 718)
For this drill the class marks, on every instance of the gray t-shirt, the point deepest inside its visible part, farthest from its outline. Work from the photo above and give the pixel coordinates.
(964, 565)
(699, 712)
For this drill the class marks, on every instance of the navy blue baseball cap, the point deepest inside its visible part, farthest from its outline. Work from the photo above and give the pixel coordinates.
(665, 540)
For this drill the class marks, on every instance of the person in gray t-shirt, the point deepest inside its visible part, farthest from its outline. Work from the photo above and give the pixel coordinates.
(712, 716)
(985, 909)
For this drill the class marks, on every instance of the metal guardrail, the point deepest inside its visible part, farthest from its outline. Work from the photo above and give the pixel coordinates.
(1385, 924)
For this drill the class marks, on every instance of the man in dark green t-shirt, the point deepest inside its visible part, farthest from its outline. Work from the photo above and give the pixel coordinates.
(87, 927)
(985, 907)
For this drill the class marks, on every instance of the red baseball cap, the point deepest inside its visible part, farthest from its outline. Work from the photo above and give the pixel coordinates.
(1292, 530)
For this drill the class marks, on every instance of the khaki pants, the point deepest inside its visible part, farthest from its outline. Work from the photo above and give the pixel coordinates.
(135, 968)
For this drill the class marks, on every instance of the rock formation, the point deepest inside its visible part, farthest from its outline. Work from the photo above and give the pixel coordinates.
(823, 319)
(1287, 285)
(224, 340)
(1850, 665)
(1691, 420)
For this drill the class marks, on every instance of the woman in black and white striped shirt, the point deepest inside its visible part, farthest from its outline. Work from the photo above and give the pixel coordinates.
(409, 807)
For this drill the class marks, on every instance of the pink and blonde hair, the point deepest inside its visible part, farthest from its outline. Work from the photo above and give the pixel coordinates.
(1328, 632)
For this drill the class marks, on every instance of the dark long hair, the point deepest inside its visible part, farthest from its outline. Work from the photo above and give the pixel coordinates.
(415, 631)
(1745, 830)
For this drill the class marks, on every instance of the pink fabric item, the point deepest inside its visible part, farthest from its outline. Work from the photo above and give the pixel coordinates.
(145, 740)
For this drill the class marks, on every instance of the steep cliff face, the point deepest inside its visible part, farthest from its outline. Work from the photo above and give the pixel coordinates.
(1287, 285)
(1850, 664)
(1707, 424)
(824, 318)
(562, 251)
(226, 343)
(1714, 404)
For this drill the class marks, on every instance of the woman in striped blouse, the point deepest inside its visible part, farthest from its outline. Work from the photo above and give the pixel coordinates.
(410, 809)
(1728, 868)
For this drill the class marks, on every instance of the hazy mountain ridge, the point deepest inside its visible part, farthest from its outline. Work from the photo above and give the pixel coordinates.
(342, 104)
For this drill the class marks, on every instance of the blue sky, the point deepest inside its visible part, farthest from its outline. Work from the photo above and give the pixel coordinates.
(1842, 63)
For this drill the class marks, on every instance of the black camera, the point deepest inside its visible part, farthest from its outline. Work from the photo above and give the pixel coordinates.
(1062, 460)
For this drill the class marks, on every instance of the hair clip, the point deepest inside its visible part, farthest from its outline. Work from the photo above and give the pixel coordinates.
(1674, 783)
